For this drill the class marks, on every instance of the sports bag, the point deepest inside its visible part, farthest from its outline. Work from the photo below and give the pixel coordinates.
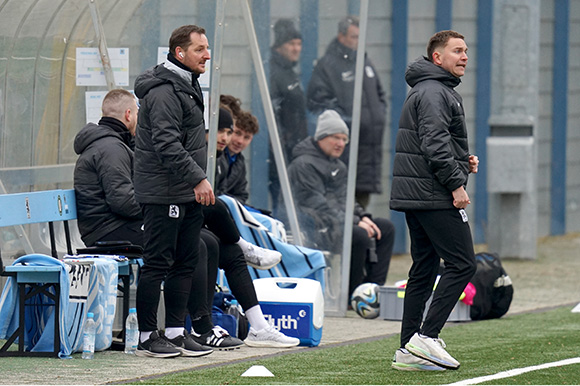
(494, 288)
(234, 321)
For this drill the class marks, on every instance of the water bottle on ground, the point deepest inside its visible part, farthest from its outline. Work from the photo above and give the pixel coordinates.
(89, 330)
(131, 332)
(234, 310)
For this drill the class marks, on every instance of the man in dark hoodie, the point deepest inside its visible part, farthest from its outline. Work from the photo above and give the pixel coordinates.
(319, 182)
(430, 172)
(332, 87)
(171, 186)
(103, 175)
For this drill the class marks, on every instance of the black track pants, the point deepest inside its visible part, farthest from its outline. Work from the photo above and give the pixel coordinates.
(435, 235)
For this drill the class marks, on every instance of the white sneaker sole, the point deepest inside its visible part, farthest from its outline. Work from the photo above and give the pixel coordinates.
(264, 267)
(418, 351)
(151, 354)
(269, 344)
(193, 354)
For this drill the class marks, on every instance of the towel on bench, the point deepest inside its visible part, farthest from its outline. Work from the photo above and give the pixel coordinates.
(87, 285)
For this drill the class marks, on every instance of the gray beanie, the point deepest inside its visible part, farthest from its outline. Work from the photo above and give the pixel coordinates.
(329, 123)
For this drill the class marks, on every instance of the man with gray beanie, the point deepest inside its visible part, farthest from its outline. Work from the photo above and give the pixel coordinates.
(287, 95)
(319, 181)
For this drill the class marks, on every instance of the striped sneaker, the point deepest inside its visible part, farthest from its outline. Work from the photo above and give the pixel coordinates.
(217, 338)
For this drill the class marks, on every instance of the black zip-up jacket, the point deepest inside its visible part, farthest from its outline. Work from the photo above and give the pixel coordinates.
(432, 154)
(332, 87)
(170, 148)
(103, 182)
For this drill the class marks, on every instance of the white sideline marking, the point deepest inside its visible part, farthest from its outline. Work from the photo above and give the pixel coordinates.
(514, 372)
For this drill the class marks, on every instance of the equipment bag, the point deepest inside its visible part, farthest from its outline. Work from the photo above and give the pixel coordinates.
(494, 288)
(222, 317)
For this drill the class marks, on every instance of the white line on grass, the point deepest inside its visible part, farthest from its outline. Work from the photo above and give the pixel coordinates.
(514, 372)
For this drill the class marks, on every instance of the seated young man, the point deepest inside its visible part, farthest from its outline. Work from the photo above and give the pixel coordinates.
(231, 171)
(319, 181)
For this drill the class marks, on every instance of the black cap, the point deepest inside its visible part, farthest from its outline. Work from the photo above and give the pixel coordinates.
(284, 31)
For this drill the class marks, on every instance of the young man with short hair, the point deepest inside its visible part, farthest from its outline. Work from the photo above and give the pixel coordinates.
(430, 172)
(231, 169)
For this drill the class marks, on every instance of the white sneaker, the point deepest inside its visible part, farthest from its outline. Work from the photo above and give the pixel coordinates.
(270, 337)
(405, 361)
(432, 349)
(260, 258)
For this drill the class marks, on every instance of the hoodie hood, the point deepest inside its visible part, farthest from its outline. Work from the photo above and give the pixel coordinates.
(422, 69)
(156, 76)
(91, 133)
(308, 146)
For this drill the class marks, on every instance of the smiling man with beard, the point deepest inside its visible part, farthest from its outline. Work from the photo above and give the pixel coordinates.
(171, 186)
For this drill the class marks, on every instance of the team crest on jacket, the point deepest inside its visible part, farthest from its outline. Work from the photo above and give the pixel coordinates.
(370, 72)
(174, 211)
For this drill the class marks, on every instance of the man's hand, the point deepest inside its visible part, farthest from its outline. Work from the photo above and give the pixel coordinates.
(204, 193)
(473, 163)
(460, 198)
(368, 225)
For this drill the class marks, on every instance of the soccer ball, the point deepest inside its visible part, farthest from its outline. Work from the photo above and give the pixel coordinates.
(365, 300)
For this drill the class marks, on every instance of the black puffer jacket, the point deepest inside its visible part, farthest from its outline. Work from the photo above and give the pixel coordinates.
(288, 101)
(103, 179)
(332, 87)
(319, 186)
(432, 155)
(170, 149)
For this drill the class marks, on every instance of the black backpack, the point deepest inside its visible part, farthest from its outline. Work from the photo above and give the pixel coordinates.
(494, 288)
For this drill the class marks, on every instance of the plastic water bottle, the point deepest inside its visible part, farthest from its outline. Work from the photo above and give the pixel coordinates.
(131, 332)
(234, 310)
(89, 330)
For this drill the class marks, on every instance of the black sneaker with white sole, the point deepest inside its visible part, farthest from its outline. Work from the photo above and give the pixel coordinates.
(157, 346)
(218, 338)
(189, 347)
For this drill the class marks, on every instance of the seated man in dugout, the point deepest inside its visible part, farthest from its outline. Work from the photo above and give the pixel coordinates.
(319, 182)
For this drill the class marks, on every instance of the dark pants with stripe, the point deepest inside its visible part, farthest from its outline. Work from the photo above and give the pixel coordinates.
(435, 235)
(170, 255)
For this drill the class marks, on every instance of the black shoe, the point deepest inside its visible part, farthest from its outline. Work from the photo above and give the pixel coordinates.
(188, 346)
(157, 346)
(218, 338)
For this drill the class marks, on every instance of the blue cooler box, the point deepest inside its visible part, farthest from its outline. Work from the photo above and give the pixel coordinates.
(294, 306)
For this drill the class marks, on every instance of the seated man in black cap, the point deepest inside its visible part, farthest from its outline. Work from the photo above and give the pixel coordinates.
(319, 181)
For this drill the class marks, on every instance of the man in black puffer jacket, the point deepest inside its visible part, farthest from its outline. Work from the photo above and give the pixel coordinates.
(171, 186)
(430, 173)
(103, 175)
(332, 87)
